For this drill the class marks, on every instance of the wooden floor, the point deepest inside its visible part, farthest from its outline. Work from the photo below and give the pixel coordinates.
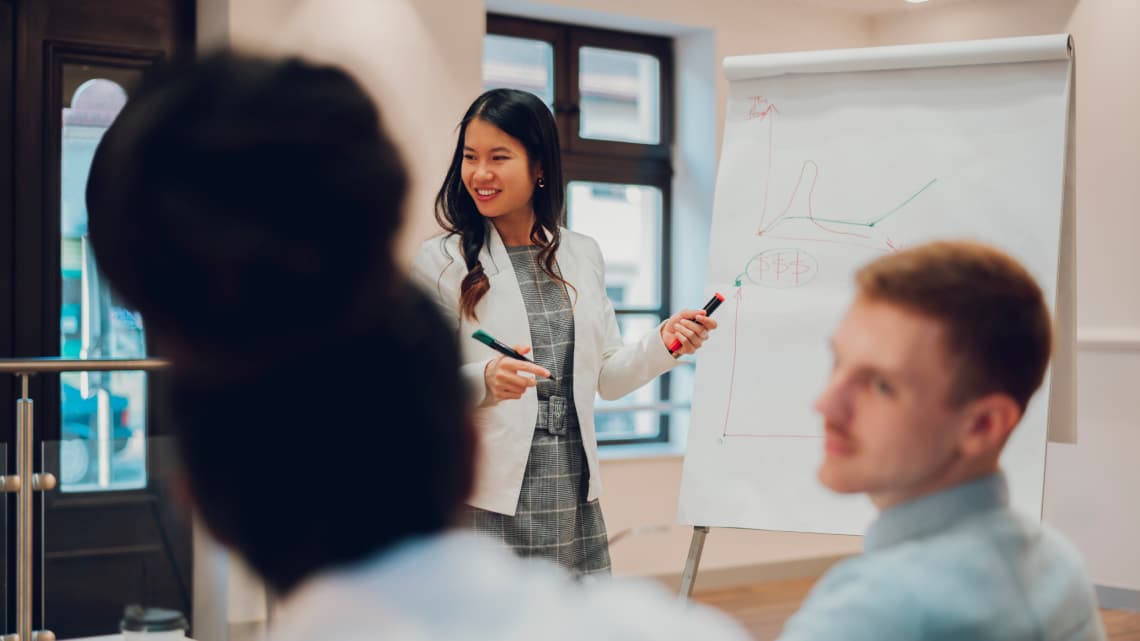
(763, 608)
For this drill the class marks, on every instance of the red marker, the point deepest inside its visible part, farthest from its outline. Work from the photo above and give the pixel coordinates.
(709, 308)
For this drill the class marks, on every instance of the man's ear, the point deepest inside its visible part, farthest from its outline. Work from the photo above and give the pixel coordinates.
(990, 420)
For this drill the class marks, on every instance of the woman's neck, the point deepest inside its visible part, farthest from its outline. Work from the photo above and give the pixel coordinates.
(514, 229)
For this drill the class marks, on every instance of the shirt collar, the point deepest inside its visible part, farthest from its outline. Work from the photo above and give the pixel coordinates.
(936, 512)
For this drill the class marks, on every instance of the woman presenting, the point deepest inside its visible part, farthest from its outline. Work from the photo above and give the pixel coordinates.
(506, 266)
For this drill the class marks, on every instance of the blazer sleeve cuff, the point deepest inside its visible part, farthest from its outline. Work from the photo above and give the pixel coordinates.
(472, 374)
(660, 360)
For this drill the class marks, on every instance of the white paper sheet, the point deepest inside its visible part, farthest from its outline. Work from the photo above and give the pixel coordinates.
(824, 168)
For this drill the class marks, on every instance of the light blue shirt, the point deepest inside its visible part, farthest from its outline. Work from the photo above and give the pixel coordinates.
(957, 564)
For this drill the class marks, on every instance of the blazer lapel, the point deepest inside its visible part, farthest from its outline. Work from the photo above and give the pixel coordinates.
(493, 253)
(505, 316)
(578, 272)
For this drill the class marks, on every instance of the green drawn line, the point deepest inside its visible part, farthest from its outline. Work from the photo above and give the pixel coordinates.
(817, 219)
(872, 223)
(903, 203)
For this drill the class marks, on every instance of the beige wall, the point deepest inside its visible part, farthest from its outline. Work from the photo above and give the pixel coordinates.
(1091, 487)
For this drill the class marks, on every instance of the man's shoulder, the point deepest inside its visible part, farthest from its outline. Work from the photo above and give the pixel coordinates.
(1000, 572)
(887, 594)
(861, 598)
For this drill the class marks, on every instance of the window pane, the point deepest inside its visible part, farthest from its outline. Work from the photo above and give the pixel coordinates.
(625, 426)
(611, 422)
(103, 414)
(626, 221)
(681, 381)
(620, 95)
(519, 63)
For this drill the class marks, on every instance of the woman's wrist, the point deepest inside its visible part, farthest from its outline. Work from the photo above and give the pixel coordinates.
(489, 395)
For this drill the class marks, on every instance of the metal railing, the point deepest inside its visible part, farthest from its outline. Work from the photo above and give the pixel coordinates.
(24, 482)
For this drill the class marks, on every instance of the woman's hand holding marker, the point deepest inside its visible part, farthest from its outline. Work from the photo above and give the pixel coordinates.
(685, 331)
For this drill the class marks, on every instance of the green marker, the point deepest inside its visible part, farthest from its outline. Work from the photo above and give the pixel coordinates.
(489, 341)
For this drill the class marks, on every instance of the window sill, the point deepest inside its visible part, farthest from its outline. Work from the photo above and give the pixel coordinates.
(641, 451)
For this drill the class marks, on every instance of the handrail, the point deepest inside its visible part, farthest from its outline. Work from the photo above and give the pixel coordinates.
(25, 482)
(59, 364)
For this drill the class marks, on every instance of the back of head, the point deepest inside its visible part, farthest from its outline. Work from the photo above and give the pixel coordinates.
(243, 204)
(336, 453)
(247, 208)
(996, 321)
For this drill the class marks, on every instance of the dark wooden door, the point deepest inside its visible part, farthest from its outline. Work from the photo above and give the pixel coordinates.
(108, 535)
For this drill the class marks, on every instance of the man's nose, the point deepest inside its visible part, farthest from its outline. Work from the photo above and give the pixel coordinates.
(833, 403)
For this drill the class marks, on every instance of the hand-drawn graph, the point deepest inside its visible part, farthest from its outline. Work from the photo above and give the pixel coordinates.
(850, 230)
(798, 223)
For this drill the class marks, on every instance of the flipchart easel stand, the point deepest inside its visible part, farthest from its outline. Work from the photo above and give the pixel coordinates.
(696, 547)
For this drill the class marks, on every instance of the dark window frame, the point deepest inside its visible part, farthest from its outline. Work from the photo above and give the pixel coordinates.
(592, 160)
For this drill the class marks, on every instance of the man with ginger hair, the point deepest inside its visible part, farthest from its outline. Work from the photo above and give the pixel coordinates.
(935, 363)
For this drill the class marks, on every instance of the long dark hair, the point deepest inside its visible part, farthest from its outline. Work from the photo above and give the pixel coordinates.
(521, 115)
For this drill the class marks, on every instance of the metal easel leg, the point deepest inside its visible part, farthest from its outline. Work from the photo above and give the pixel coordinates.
(689, 576)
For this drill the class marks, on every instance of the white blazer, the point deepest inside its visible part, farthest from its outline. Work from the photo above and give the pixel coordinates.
(602, 362)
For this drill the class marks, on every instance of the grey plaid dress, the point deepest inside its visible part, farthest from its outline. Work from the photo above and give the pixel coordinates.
(554, 520)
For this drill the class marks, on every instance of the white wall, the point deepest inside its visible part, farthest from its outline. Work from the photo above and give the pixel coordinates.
(1090, 489)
